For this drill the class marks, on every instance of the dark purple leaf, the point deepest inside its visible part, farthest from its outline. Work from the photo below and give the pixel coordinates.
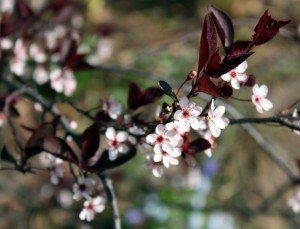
(223, 25)
(198, 145)
(23, 9)
(267, 28)
(207, 86)
(90, 141)
(226, 91)
(208, 42)
(250, 81)
(104, 163)
(133, 93)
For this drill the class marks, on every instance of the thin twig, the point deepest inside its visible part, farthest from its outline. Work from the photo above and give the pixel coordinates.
(109, 189)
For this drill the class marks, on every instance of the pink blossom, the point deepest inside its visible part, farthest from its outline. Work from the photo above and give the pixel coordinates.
(113, 108)
(236, 76)
(83, 188)
(259, 98)
(188, 116)
(56, 171)
(91, 207)
(215, 120)
(116, 142)
(167, 155)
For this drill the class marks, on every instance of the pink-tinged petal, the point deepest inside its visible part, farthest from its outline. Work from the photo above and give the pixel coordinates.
(235, 84)
(214, 130)
(157, 157)
(170, 134)
(160, 129)
(183, 124)
(177, 140)
(255, 90)
(242, 67)
(242, 77)
(259, 108)
(90, 216)
(151, 138)
(266, 104)
(196, 111)
(226, 77)
(219, 111)
(99, 208)
(219, 123)
(172, 161)
(157, 170)
(167, 147)
(176, 152)
(178, 114)
(208, 152)
(113, 154)
(184, 102)
(83, 214)
(122, 136)
(195, 123)
(123, 148)
(110, 133)
(263, 91)
(157, 149)
(165, 162)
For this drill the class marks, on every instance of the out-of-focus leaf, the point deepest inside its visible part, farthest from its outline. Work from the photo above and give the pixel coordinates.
(6, 156)
(104, 163)
(167, 89)
(90, 141)
(198, 145)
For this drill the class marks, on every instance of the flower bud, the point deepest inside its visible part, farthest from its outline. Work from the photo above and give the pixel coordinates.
(191, 75)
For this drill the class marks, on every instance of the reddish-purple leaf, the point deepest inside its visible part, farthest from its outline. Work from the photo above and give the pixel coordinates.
(104, 163)
(90, 140)
(226, 91)
(198, 145)
(133, 93)
(23, 9)
(138, 98)
(240, 47)
(207, 86)
(267, 28)
(208, 42)
(223, 25)
(58, 148)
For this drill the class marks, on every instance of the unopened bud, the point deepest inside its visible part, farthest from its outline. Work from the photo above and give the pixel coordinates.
(191, 75)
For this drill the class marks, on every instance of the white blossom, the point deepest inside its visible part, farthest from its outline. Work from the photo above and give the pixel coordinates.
(259, 98)
(113, 108)
(83, 188)
(91, 207)
(237, 75)
(294, 202)
(116, 142)
(40, 75)
(189, 114)
(167, 155)
(215, 120)
(56, 171)
(296, 122)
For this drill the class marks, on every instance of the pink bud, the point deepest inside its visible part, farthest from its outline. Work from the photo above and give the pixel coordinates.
(191, 75)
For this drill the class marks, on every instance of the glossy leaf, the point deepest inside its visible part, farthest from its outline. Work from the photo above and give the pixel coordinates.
(167, 89)
(223, 25)
(208, 42)
(198, 145)
(90, 141)
(267, 28)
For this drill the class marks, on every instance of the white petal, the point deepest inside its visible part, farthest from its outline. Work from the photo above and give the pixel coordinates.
(176, 152)
(170, 134)
(196, 111)
(184, 102)
(157, 157)
(242, 77)
(194, 123)
(263, 91)
(178, 115)
(165, 162)
(82, 214)
(123, 148)
(266, 104)
(255, 90)
(112, 154)
(226, 77)
(157, 170)
(235, 84)
(121, 136)
(157, 149)
(219, 111)
(160, 129)
(151, 138)
(110, 133)
(172, 160)
(167, 147)
(242, 67)
(214, 130)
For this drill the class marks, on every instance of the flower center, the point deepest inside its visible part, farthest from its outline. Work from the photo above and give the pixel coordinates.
(159, 139)
(233, 74)
(90, 206)
(82, 187)
(185, 113)
(114, 143)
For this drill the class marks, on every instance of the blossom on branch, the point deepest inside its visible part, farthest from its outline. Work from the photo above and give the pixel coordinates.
(83, 188)
(236, 76)
(167, 155)
(188, 116)
(215, 120)
(115, 142)
(113, 108)
(91, 207)
(259, 98)
(294, 203)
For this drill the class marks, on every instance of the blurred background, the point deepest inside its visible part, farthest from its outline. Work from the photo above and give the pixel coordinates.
(161, 37)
